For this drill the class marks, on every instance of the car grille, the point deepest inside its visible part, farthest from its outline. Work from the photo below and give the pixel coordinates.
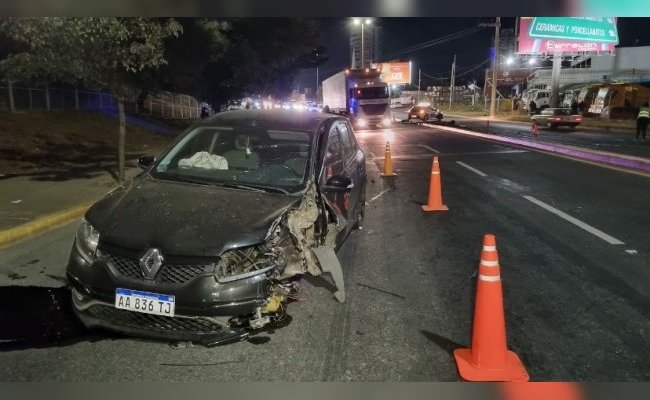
(143, 321)
(170, 274)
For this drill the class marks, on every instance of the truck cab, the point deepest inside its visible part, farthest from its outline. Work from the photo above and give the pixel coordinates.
(359, 94)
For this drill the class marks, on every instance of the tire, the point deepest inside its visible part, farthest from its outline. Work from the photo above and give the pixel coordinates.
(358, 224)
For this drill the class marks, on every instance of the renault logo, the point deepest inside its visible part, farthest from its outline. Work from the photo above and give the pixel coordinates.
(150, 263)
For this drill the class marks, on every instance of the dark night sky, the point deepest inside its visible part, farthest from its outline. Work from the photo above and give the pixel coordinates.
(401, 33)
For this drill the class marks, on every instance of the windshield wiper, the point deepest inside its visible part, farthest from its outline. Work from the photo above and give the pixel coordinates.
(256, 188)
(189, 180)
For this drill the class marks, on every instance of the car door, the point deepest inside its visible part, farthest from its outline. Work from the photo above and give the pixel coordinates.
(337, 162)
(354, 161)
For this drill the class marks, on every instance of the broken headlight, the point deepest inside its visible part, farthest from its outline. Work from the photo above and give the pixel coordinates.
(86, 241)
(245, 262)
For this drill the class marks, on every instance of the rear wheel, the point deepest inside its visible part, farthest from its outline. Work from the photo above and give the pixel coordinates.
(358, 224)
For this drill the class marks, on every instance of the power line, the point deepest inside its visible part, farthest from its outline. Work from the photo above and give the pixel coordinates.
(465, 70)
(470, 70)
(438, 41)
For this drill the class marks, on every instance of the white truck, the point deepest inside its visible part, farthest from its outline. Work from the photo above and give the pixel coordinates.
(361, 95)
(541, 97)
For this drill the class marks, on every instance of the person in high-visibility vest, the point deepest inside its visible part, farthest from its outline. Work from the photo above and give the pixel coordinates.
(642, 120)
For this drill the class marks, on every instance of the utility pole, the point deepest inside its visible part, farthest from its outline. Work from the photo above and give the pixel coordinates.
(452, 82)
(495, 67)
(419, 80)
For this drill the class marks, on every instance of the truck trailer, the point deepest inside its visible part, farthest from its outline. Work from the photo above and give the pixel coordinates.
(359, 94)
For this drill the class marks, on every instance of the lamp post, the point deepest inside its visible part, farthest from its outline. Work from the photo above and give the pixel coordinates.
(493, 96)
(362, 22)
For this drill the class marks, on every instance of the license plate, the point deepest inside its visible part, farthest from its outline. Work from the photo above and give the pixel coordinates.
(145, 302)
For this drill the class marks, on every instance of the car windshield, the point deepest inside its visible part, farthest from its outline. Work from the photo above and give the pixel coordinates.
(245, 157)
(563, 111)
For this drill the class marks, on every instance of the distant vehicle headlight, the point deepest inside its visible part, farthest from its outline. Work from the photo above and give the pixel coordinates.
(87, 239)
(387, 121)
(362, 122)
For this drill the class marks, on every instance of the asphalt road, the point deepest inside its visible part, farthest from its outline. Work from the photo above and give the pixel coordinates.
(573, 251)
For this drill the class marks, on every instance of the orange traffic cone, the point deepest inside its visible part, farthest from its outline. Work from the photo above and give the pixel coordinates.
(489, 359)
(540, 391)
(435, 195)
(388, 163)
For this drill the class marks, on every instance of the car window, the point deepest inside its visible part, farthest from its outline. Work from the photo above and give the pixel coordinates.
(333, 162)
(347, 146)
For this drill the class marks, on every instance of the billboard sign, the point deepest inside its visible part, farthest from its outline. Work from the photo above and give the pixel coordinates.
(395, 72)
(566, 35)
(574, 28)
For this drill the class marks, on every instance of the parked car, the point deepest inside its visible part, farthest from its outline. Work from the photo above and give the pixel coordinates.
(555, 117)
(210, 241)
(423, 112)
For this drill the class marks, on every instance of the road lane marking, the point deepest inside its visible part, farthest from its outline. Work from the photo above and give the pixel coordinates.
(378, 196)
(476, 171)
(577, 222)
(429, 148)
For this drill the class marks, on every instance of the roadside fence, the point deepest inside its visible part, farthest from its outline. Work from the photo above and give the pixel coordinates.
(163, 105)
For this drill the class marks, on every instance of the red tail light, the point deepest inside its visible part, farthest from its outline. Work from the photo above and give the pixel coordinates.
(558, 118)
(578, 118)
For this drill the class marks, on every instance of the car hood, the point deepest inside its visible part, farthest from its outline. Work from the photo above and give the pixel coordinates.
(185, 219)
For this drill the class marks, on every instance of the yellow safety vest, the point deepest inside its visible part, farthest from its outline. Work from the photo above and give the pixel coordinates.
(644, 112)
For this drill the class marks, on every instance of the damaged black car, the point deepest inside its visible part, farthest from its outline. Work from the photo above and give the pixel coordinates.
(209, 242)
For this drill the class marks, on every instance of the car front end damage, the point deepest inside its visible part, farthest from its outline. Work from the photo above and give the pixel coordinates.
(215, 300)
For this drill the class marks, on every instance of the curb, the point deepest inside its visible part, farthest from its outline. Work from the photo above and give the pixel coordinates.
(630, 163)
(586, 124)
(40, 225)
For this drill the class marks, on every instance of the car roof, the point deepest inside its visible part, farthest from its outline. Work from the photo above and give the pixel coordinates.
(271, 119)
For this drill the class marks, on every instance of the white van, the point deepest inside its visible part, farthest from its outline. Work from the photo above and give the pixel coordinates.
(541, 97)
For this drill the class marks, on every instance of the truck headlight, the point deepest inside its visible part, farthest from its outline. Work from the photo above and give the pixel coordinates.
(86, 241)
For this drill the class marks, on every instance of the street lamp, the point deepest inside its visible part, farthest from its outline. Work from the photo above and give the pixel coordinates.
(362, 22)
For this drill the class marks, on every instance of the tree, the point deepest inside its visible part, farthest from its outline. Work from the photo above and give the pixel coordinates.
(263, 56)
(98, 50)
(188, 56)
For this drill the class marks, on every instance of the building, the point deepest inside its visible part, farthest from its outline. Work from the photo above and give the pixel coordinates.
(626, 64)
(372, 43)
(611, 85)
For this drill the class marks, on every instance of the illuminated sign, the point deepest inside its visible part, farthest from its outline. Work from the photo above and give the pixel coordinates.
(566, 35)
(395, 72)
(602, 30)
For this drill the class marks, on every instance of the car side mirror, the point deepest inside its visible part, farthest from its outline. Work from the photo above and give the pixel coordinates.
(145, 162)
(338, 184)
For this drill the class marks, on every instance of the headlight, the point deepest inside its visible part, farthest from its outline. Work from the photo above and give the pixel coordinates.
(387, 121)
(361, 122)
(86, 240)
(245, 262)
